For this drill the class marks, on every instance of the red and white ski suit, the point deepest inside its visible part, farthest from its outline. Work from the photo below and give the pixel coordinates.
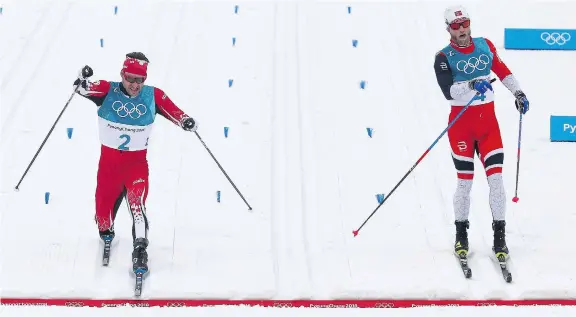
(124, 173)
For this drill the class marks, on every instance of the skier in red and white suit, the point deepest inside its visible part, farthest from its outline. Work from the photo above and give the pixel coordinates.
(126, 113)
(463, 68)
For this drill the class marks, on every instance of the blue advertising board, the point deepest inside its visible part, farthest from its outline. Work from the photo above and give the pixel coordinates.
(539, 39)
(563, 128)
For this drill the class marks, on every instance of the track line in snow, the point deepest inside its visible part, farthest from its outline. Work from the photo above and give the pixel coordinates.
(302, 129)
(276, 155)
(14, 108)
(24, 48)
(288, 229)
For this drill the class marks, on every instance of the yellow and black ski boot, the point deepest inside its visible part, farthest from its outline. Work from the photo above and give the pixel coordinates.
(461, 244)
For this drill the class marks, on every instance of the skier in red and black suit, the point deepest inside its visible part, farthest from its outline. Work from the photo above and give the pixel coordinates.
(463, 69)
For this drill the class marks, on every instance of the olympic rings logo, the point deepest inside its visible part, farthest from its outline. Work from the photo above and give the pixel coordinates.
(555, 38)
(129, 109)
(384, 305)
(473, 64)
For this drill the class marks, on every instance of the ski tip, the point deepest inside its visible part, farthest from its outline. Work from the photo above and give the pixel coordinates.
(515, 199)
(16, 189)
(355, 233)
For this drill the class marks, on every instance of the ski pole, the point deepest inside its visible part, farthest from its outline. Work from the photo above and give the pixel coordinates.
(515, 199)
(355, 232)
(47, 136)
(222, 169)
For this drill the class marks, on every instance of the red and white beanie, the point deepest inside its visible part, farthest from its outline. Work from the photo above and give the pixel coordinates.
(455, 14)
(135, 67)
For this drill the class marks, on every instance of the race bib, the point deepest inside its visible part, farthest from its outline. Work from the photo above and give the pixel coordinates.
(122, 136)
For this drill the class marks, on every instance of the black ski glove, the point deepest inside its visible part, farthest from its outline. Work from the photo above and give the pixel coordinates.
(521, 102)
(189, 124)
(83, 74)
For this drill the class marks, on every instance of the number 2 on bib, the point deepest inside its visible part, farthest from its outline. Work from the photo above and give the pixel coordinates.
(123, 146)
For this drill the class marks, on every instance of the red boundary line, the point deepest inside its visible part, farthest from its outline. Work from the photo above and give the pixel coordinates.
(342, 303)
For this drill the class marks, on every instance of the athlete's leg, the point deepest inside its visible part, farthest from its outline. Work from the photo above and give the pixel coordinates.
(491, 154)
(136, 193)
(109, 189)
(462, 144)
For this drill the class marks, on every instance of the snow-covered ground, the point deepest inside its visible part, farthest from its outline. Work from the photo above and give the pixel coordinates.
(297, 149)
